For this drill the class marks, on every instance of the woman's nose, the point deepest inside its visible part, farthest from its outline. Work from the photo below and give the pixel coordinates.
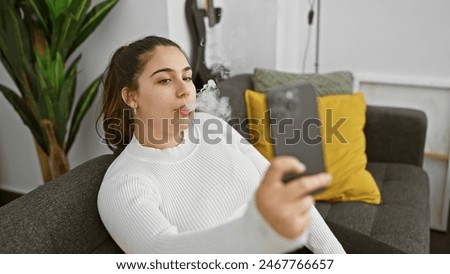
(184, 88)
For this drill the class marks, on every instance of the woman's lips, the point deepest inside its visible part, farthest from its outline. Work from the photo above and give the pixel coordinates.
(185, 110)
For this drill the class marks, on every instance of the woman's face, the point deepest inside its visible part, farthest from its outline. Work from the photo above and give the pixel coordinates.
(166, 93)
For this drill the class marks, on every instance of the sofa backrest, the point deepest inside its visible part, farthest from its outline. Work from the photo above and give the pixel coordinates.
(234, 88)
(60, 216)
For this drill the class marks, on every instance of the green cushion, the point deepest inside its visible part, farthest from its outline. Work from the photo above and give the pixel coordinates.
(339, 82)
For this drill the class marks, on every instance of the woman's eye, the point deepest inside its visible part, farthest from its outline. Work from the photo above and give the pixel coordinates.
(187, 78)
(164, 81)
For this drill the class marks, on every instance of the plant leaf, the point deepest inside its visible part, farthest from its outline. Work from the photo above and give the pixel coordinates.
(27, 117)
(19, 37)
(41, 12)
(33, 80)
(66, 98)
(69, 94)
(50, 73)
(15, 47)
(48, 104)
(4, 56)
(81, 109)
(31, 88)
(92, 20)
(6, 63)
(70, 26)
(79, 10)
(62, 109)
(41, 68)
(57, 74)
(56, 7)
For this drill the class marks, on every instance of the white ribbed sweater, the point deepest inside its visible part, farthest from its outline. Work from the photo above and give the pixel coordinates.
(197, 197)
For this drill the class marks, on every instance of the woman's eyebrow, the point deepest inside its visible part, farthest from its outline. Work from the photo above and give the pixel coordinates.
(169, 70)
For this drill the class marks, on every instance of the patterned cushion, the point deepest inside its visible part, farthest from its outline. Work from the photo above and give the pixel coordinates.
(340, 82)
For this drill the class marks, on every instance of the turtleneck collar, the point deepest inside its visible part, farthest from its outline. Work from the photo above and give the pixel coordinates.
(168, 155)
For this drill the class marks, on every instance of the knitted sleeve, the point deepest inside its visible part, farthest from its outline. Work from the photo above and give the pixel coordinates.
(321, 238)
(128, 207)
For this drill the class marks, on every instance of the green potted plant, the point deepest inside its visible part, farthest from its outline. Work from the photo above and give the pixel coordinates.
(37, 41)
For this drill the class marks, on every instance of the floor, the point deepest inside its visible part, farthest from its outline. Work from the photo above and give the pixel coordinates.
(6, 197)
(439, 241)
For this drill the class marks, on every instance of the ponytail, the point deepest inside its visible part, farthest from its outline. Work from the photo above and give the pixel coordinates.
(115, 124)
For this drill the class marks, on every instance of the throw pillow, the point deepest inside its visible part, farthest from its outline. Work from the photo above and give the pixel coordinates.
(345, 149)
(258, 123)
(343, 120)
(340, 82)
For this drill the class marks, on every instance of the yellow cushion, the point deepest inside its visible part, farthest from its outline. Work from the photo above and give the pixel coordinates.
(343, 144)
(258, 125)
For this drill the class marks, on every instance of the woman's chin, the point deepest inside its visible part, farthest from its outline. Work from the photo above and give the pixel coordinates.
(183, 123)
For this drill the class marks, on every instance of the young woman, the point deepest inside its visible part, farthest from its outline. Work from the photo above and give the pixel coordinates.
(187, 182)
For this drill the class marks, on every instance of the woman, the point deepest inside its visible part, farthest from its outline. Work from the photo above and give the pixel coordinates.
(186, 182)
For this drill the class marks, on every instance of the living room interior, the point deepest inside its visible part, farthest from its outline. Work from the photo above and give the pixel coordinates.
(396, 53)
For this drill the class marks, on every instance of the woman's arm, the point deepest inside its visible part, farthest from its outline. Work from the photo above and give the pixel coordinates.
(128, 206)
(321, 239)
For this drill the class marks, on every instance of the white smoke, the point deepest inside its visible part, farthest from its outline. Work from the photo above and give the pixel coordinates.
(209, 101)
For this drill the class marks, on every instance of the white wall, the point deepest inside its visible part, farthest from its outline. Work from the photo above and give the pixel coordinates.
(249, 34)
(128, 21)
(399, 52)
(400, 37)
(245, 28)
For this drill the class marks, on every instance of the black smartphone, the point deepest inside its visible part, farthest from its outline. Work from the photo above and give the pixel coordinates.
(295, 126)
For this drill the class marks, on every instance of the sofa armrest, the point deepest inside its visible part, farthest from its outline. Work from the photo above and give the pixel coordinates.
(395, 135)
(60, 216)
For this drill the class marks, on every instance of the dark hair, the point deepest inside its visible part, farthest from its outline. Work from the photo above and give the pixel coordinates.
(126, 65)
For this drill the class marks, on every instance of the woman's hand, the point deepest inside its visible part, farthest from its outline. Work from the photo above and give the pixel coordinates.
(285, 206)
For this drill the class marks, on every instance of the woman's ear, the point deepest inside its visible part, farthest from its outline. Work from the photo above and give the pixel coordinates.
(129, 97)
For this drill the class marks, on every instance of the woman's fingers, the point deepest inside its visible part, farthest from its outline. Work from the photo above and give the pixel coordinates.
(305, 185)
(302, 206)
(295, 226)
(285, 206)
(280, 166)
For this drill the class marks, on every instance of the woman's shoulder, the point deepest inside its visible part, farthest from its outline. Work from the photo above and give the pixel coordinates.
(124, 166)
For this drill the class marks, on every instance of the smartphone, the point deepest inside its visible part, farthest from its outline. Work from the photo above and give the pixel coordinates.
(295, 126)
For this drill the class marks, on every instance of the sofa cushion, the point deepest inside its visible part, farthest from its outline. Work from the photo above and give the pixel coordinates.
(401, 221)
(339, 82)
(108, 246)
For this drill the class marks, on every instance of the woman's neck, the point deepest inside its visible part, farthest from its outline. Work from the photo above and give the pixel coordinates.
(158, 139)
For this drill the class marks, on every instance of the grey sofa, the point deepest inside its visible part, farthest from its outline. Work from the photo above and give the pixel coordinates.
(395, 146)
(61, 216)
